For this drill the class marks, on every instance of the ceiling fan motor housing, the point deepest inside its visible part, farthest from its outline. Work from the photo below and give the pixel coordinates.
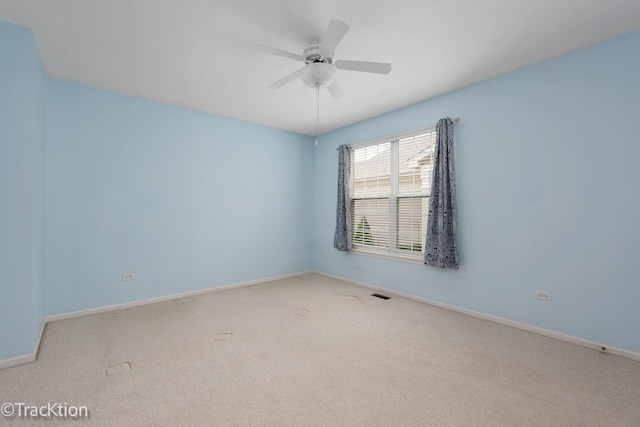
(312, 54)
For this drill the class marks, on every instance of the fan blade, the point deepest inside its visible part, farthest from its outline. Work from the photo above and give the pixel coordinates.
(335, 90)
(334, 34)
(368, 67)
(278, 52)
(283, 81)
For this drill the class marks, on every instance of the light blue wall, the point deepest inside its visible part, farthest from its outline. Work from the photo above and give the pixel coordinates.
(182, 199)
(547, 178)
(21, 192)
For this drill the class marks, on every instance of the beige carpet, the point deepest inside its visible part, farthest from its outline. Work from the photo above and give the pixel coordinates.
(316, 351)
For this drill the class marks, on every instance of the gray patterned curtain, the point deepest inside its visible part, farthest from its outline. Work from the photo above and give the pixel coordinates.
(342, 239)
(441, 248)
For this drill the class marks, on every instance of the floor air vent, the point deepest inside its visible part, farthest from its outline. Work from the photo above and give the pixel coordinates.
(380, 296)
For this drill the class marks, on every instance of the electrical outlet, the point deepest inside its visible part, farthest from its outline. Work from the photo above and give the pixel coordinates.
(126, 277)
(546, 296)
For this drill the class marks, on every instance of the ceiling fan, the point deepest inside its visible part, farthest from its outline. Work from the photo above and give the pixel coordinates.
(320, 68)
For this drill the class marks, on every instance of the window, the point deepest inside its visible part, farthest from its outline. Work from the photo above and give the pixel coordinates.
(391, 182)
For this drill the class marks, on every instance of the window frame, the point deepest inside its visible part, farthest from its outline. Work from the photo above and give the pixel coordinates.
(392, 252)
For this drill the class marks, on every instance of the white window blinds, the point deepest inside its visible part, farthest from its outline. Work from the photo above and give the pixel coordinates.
(390, 193)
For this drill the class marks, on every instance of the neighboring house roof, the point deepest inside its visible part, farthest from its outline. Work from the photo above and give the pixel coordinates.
(416, 157)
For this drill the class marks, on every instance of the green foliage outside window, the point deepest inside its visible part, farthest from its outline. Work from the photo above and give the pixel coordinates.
(363, 233)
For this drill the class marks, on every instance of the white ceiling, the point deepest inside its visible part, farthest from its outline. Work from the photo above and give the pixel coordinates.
(194, 53)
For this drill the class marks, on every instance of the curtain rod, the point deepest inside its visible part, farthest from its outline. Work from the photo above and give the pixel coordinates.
(455, 119)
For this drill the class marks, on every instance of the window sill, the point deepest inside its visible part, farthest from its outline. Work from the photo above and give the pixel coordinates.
(390, 256)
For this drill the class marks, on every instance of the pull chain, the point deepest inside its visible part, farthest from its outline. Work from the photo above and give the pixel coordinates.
(317, 110)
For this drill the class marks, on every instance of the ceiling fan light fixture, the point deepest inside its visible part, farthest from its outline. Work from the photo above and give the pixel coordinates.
(318, 74)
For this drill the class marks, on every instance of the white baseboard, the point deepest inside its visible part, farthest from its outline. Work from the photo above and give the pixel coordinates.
(138, 303)
(501, 320)
(15, 361)
(37, 348)
(28, 358)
